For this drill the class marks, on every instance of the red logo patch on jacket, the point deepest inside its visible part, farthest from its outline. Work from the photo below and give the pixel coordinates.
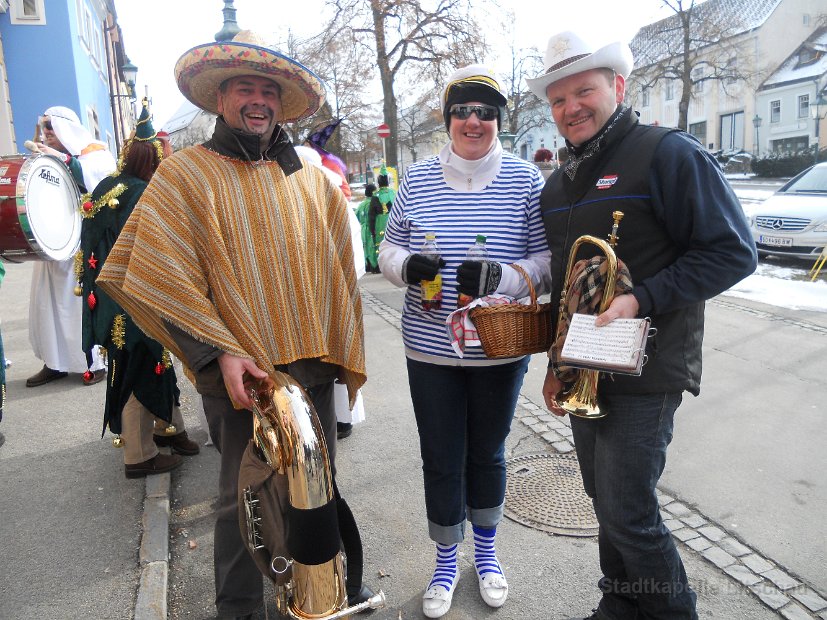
(606, 182)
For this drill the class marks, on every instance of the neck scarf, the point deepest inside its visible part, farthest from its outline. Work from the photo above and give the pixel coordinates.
(466, 175)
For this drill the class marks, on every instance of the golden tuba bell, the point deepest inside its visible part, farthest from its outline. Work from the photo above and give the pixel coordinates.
(289, 437)
(581, 399)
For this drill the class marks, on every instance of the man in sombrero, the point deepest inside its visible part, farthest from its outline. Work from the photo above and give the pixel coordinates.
(238, 259)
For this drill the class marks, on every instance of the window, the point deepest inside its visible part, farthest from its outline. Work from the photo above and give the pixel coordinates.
(699, 131)
(28, 12)
(669, 90)
(732, 131)
(697, 83)
(94, 127)
(806, 19)
(790, 145)
(731, 71)
(775, 111)
(803, 106)
(90, 34)
(644, 97)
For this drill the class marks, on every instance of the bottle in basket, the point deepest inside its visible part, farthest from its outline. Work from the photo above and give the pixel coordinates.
(431, 289)
(477, 252)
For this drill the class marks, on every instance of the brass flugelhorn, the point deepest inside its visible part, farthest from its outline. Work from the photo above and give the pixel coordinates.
(581, 399)
(289, 437)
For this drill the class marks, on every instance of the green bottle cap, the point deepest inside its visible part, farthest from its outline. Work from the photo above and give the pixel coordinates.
(480, 238)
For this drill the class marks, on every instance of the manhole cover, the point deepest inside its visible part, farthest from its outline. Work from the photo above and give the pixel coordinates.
(545, 491)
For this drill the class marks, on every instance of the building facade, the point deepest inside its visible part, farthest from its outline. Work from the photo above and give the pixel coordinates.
(750, 39)
(62, 52)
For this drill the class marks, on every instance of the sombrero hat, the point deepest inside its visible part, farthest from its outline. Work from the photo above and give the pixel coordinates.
(201, 70)
(568, 54)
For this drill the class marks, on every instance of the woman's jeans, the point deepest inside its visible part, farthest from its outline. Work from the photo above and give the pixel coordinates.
(622, 456)
(464, 416)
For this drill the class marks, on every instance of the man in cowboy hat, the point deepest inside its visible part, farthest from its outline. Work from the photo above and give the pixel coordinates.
(238, 258)
(686, 240)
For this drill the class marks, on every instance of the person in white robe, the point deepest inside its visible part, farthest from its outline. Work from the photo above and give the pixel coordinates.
(54, 308)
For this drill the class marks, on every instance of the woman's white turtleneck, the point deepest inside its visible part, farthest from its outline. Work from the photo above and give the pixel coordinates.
(465, 175)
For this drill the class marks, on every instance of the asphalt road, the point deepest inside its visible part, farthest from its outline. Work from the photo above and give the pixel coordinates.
(747, 454)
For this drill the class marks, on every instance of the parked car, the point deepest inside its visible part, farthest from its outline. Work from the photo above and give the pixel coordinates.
(793, 221)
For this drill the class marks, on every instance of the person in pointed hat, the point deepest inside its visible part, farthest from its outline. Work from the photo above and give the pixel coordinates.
(380, 206)
(317, 141)
(686, 241)
(141, 390)
(54, 309)
(238, 259)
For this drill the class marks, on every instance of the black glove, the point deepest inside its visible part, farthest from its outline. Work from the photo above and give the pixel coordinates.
(418, 267)
(478, 278)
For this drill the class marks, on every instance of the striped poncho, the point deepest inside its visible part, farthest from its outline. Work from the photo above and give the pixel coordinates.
(245, 259)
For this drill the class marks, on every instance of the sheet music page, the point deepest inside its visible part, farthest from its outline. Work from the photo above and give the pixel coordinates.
(617, 344)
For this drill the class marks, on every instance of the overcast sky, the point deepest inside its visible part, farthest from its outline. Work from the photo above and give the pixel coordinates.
(157, 32)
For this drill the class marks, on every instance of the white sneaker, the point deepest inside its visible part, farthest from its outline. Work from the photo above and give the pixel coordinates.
(437, 601)
(493, 589)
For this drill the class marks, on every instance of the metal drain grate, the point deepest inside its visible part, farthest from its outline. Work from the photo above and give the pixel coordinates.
(545, 491)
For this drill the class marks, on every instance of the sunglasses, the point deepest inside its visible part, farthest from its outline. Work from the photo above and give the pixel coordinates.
(484, 112)
(47, 125)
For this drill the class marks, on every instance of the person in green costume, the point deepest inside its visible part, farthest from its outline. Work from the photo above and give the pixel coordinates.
(370, 248)
(141, 388)
(380, 207)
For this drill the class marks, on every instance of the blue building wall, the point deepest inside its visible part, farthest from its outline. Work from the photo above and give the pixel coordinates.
(47, 65)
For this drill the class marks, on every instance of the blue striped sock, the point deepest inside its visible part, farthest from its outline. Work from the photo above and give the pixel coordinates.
(485, 556)
(445, 573)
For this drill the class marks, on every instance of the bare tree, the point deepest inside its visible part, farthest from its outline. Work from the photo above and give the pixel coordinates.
(524, 111)
(415, 38)
(419, 122)
(346, 75)
(697, 44)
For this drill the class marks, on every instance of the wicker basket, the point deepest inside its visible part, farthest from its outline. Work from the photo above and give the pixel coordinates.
(513, 330)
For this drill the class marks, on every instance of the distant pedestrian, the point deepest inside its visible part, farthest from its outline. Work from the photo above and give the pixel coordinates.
(544, 159)
(380, 206)
(369, 245)
(542, 156)
(685, 241)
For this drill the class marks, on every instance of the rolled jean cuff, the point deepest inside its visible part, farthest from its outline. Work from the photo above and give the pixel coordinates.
(488, 518)
(446, 534)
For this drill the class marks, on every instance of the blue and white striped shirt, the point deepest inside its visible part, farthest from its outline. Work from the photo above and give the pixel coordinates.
(506, 211)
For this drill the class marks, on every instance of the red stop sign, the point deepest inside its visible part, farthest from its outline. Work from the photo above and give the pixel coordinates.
(384, 131)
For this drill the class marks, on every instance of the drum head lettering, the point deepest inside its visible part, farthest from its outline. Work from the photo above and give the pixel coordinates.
(50, 203)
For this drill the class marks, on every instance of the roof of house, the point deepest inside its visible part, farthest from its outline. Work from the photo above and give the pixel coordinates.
(182, 118)
(725, 17)
(807, 63)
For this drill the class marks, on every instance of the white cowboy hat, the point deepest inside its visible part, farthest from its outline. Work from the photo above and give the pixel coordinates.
(201, 70)
(568, 54)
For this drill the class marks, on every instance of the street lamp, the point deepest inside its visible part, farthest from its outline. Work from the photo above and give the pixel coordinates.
(817, 118)
(130, 73)
(507, 140)
(756, 122)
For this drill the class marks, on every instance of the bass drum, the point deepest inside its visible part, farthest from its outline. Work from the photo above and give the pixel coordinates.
(39, 209)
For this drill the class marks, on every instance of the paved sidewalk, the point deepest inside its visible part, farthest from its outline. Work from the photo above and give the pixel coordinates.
(380, 474)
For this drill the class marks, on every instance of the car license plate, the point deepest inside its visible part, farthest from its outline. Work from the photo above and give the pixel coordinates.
(776, 241)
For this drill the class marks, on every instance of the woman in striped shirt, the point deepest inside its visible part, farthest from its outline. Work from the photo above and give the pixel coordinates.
(464, 406)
